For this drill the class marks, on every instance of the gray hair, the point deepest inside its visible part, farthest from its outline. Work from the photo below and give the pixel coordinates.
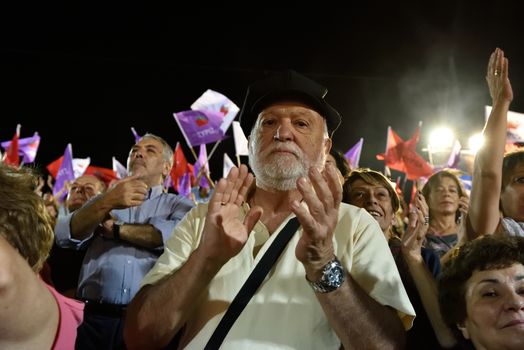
(167, 151)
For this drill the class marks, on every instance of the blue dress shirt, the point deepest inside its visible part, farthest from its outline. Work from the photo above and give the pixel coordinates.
(112, 270)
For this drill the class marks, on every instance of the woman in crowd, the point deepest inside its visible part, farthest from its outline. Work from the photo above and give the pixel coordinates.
(448, 205)
(481, 292)
(418, 266)
(34, 315)
(336, 158)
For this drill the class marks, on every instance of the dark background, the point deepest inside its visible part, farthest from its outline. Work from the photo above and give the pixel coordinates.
(85, 74)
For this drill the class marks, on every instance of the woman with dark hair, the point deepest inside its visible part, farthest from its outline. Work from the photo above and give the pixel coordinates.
(340, 162)
(481, 292)
(448, 204)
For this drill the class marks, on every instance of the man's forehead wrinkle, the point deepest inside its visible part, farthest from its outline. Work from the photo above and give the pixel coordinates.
(290, 112)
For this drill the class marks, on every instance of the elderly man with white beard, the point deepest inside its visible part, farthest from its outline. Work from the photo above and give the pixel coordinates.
(334, 283)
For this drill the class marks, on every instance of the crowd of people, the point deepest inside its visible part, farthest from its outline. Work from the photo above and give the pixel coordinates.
(295, 250)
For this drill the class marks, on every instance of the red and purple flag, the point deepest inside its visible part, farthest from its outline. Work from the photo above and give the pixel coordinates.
(27, 147)
(79, 166)
(180, 167)
(217, 102)
(12, 156)
(104, 174)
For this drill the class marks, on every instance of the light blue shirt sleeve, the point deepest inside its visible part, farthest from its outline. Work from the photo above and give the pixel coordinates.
(180, 207)
(164, 226)
(63, 234)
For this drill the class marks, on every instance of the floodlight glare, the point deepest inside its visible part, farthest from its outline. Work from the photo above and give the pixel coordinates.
(475, 142)
(441, 139)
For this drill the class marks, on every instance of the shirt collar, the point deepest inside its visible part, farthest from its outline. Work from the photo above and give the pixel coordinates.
(155, 191)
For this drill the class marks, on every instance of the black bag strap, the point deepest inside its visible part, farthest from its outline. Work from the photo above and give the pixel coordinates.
(252, 283)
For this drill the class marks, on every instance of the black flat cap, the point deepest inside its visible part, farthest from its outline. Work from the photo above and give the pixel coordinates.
(286, 86)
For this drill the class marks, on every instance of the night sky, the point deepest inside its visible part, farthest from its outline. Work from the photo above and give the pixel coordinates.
(85, 75)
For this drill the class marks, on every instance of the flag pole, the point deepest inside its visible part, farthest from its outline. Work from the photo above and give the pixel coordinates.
(211, 183)
(193, 153)
(213, 150)
(208, 175)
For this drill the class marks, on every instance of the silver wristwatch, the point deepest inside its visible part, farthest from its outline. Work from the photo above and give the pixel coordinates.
(333, 275)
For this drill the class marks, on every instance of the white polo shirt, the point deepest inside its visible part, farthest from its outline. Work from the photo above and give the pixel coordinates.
(284, 313)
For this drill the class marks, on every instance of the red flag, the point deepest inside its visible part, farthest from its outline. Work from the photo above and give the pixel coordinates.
(180, 166)
(392, 157)
(54, 166)
(416, 166)
(402, 156)
(104, 174)
(11, 154)
(179, 163)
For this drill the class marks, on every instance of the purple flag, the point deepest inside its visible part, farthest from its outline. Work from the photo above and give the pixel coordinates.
(353, 155)
(200, 127)
(454, 156)
(27, 147)
(201, 163)
(65, 172)
(135, 134)
(184, 187)
(215, 101)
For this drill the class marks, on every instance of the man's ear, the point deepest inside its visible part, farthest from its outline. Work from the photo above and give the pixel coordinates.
(167, 169)
(327, 145)
(462, 328)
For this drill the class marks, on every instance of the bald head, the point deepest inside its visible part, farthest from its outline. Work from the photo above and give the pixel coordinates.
(82, 189)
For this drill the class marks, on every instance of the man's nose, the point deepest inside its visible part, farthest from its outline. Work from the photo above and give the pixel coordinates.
(138, 154)
(284, 132)
(79, 189)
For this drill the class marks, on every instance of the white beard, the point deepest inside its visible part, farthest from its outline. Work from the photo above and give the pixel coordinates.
(280, 171)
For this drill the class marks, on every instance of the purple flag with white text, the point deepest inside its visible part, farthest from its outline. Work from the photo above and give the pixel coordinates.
(199, 126)
(65, 172)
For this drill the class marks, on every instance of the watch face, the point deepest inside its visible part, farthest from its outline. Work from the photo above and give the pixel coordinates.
(333, 275)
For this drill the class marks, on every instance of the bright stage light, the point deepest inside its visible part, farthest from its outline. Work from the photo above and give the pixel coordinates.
(475, 142)
(441, 139)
